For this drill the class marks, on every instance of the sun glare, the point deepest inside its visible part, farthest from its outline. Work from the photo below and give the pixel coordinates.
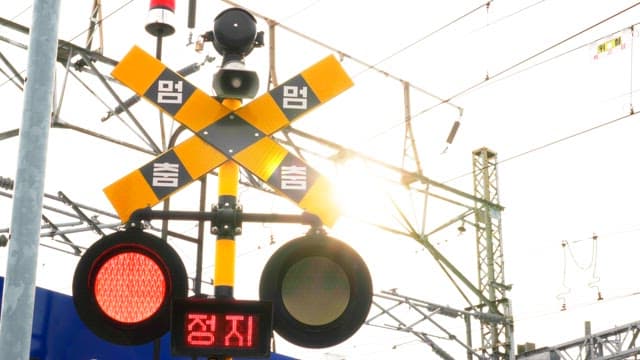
(361, 193)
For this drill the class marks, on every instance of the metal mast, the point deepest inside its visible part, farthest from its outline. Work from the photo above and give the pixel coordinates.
(410, 150)
(95, 25)
(496, 336)
(618, 343)
(19, 288)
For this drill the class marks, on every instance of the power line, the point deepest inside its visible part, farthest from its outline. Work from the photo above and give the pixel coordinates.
(509, 68)
(303, 9)
(515, 13)
(496, 79)
(104, 18)
(343, 54)
(554, 142)
(405, 48)
(525, 318)
(22, 12)
(568, 137)
(443, 101)
(527, 59)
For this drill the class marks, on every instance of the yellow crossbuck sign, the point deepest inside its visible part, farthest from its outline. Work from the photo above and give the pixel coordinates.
(242, 135)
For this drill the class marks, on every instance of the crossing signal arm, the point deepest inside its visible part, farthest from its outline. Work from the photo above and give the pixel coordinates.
(315, 291)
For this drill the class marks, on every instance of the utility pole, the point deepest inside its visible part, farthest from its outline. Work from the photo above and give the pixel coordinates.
(20, 284)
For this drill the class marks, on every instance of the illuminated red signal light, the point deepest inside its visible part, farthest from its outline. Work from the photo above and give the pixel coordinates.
(130, 287)
(124, 284)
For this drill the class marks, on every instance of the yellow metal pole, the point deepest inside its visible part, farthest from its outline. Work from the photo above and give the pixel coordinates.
(225, 258)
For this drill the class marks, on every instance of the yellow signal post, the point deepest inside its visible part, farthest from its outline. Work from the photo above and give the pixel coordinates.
(225, 257)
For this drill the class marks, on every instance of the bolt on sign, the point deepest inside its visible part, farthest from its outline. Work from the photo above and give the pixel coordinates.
(242, 135)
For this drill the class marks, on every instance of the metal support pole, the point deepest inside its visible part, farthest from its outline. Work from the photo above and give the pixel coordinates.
(197, 285)
(19, 287)
(224, 274)
(467, 325)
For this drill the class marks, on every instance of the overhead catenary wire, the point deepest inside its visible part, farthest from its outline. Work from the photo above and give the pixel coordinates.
(499, 77)
(551, 143)
(559, 55)
(566, 245)
(22, 11)
(344, 54)
(508, 69)
(573, 135)
(301, 10)
(423, 38)
(530, 57)
(569, 256)
(529, 317)
(568, 137)
(118, 9)
(568, 252)
(393, 54)
(510, 15)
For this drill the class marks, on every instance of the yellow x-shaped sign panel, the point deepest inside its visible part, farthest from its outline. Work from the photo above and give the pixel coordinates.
(243, 135)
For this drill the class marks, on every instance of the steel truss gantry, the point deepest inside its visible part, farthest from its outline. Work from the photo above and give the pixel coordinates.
(617, 343)
(493, 312)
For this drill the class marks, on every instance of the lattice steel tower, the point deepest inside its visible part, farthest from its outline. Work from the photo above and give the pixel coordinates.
(496, 336)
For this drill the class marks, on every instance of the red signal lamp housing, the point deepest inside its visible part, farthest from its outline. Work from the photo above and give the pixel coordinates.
(124, 284)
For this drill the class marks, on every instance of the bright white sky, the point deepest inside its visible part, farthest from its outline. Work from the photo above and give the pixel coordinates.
(553, 191)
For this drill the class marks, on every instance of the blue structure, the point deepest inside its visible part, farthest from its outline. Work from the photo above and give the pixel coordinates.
(59, 334)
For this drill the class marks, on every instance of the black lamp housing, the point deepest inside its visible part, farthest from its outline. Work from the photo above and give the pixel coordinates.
(234, 32)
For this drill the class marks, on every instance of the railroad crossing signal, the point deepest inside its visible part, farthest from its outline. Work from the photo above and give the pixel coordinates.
(242, 135)
(314, 266)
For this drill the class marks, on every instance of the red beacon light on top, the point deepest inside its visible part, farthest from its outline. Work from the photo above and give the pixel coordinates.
(161, 13)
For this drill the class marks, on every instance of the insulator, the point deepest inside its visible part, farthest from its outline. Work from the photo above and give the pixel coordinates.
(160, 19)
(6, 183)
(191, 20)
(452, 133)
